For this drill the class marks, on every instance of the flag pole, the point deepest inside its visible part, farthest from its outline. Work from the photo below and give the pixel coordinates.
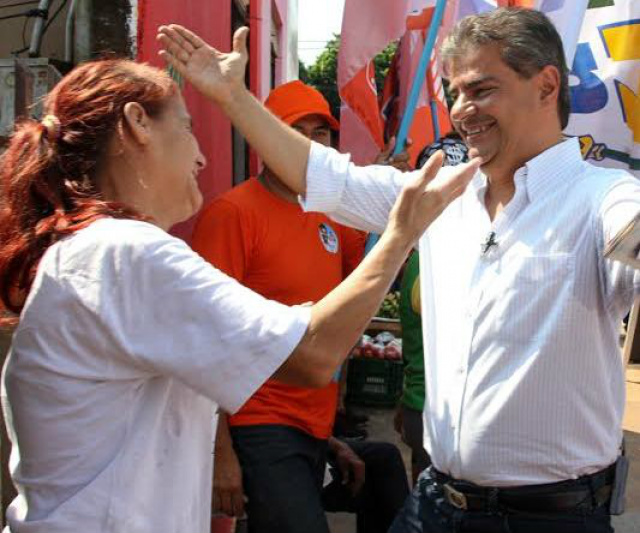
(435, 123)
(418, 81)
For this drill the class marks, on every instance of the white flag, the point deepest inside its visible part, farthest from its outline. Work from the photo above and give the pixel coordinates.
(605, 85)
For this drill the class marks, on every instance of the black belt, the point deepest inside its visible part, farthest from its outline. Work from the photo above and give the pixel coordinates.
(566, 496)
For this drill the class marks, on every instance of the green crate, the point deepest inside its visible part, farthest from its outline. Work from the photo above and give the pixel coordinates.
(374, 382)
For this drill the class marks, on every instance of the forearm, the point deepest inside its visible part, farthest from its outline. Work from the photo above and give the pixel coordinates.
(338, 320)
(224, 443)
(283, 150)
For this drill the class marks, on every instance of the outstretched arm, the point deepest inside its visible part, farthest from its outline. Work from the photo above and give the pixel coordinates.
(338, 320)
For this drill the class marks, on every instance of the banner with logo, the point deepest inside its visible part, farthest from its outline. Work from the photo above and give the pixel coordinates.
(605, 85)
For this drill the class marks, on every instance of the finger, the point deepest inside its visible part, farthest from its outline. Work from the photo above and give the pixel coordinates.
(173, 49)
(188, 36)
(217, 503)
(225, 503)
(431, 167)
(240, 41)
(237, 502)
(343, 466)
(358, 476)
(173, 61)
(402, 157)
(458, 178)
(388, 149)
(174, 42)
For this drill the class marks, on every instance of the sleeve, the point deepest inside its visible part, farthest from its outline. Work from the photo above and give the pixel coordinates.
(177, 315)
(358, 197)
(620, 204)
(220, 237)
(353, 242)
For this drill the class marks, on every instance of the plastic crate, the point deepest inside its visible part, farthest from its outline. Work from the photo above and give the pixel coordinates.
(375, 382)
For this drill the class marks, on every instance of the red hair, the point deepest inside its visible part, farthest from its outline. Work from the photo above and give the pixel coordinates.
(48, 173)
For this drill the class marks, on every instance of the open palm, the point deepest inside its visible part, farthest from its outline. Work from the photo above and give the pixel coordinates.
(217, 75)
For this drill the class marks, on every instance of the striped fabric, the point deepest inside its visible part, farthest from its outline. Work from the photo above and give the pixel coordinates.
(524, 375)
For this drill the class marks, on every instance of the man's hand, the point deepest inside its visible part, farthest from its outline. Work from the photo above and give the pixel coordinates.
(228, 493)
(350, 465)
(217, 75)
(399, 161)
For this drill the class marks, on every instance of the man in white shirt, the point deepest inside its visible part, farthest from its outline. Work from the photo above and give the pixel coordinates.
(524, 377)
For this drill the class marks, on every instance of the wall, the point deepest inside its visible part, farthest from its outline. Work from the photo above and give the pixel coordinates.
(12, 31)
(135, 23)
(212, 129)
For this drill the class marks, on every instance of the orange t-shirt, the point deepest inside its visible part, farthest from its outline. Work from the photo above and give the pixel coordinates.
(274, 248)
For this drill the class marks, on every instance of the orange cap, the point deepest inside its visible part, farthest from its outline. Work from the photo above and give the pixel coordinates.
(294, 100)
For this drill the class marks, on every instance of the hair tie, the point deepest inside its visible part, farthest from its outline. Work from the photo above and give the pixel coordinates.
(52, 125)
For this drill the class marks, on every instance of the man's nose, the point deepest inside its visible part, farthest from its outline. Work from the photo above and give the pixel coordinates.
(462, 109)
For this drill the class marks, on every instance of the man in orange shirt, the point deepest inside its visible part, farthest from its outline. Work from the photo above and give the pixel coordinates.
(258, 234)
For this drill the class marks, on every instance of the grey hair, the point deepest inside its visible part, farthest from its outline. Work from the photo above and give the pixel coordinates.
(528, 42)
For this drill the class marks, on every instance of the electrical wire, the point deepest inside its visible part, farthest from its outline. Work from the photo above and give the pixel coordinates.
(53, 17)
(19, 4)
(25, 46)
(17, 15)
(32, 13)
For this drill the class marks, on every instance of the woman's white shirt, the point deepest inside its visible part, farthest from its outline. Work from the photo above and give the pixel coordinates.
(127, 342)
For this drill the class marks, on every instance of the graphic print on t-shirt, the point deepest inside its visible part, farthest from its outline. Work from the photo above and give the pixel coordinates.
(328, 237)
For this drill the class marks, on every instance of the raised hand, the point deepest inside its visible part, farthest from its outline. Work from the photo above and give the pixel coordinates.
(217, 75)
(400, 161)
(428, 193)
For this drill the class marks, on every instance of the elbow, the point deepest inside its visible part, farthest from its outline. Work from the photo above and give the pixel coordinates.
(319, 378)
(308, 367)
(318, 375)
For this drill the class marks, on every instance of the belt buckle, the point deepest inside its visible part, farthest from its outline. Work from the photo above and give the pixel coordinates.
(455, 497)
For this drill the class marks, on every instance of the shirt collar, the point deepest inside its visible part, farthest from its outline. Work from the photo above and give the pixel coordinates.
(560, 163)
(556, 165)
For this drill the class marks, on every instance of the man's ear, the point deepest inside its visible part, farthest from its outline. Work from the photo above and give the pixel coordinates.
(549, 85)
(137, 122)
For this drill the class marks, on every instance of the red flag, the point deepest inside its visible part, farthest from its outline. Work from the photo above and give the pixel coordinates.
(368, 27)
(398, 85)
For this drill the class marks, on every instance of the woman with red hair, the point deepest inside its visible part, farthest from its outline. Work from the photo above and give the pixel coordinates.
(126, 339)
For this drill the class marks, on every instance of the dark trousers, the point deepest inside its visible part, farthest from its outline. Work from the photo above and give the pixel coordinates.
(383, 494)
(282, 471)
(428, 511)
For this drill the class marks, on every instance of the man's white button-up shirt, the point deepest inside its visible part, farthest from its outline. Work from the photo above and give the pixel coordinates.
(524, 377)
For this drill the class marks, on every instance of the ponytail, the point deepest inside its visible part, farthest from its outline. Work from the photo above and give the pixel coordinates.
(47, 173)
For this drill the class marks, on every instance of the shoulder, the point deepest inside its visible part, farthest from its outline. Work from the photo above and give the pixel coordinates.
(597, 185)
(116, 233)
(122, 233)
(598, 178)
(112, 244)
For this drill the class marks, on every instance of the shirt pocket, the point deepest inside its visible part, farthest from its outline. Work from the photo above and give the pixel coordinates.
(534, 296)
(544, 271)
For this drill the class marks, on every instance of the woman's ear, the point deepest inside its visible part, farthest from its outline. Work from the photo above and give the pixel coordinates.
(137, 122)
